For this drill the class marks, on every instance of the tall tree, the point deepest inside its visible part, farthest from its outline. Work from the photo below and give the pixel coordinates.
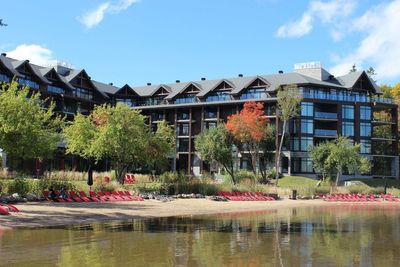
(27, 130)
(160, 146)
(319, 155)
(216, 145)
(118, 133)
(353, 68)
(2, 24)
(341, 155)
(267, 148)
(249, 127)
(288, 102)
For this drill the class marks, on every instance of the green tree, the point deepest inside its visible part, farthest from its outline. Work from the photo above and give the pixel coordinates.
(267, 148)
(118, 133)
(319, 155)
(27, 130)
(160, 146)
(340, 155)
(289, 99)
(216, 145)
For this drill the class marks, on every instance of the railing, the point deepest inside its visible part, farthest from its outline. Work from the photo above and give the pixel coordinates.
(382, 100)
(346, 96)
(325, 115)
(323, 132)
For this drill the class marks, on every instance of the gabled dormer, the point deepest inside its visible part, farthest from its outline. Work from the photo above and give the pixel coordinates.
(255, 89)
(221, 92)
(126, 95)
(186, 95)
(84, 88)
(364, 83)
(29, 75)
(58, 84)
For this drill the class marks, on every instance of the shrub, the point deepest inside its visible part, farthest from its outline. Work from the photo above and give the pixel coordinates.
(375, 190)
(322, 190)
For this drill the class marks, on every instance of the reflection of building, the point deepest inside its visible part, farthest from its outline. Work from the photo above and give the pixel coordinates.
(349, 105)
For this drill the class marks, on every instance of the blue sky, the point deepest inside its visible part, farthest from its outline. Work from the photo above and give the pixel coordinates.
(159, 41)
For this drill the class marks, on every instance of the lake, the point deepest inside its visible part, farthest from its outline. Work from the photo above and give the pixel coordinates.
(340, 235)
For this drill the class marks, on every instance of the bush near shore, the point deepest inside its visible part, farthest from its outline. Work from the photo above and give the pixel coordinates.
(173, 183)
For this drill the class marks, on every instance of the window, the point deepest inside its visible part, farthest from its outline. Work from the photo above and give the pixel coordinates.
(183, 115)
(253, 93)
(27, 82)
(348, 128)
(183, 145)
(365, 147)
(307, 109)
(185, 98)
(365, 113)
(306, 165)
(4, 78)
(348, 112)
(210, 124)
(127, 101)
(55, 89)
(183, 129)
(365, 129)
(157, 116)
(306, 142)
(210, 114)
(295, 144)
(83, 93)
(307, 126)
(155, 100)
(218, 96)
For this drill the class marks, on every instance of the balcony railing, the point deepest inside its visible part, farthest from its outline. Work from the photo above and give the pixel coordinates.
(382, 100)
(325, 115)
(344, 96)
(324, 132)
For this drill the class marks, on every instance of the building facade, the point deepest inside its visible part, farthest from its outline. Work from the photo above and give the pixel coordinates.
(351, 105)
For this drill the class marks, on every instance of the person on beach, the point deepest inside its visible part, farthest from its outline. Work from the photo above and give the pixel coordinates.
(63, 193)
(52, 194)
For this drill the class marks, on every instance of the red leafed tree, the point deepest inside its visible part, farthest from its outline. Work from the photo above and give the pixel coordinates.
(249, 127)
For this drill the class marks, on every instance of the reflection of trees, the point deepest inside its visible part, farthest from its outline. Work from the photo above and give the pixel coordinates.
(346, 235)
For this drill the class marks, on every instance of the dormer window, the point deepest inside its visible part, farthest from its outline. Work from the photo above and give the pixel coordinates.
(127, 101)
(25, 80)
(4, 78)
(218, 96)
(188, 95)
(55, 89)
(82, 93)
(253, 93)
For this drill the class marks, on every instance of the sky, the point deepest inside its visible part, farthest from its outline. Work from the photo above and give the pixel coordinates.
(159, 41)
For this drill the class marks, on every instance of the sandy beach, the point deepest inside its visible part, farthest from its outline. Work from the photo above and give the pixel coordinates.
(41, 214)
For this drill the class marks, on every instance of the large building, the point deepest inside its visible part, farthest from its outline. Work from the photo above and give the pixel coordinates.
(351, 105)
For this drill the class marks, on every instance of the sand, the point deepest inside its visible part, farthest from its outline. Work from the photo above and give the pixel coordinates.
(42, 214)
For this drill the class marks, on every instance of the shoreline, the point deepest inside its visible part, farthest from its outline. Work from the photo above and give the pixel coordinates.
(47, 214)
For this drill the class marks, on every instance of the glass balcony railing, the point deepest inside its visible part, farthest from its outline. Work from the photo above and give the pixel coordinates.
(325, 115)
(324, 132)
(382, 100)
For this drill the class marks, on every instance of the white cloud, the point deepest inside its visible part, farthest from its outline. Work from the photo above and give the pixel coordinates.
(94, 17)
(35, 53)
(380, 48)
(332, 11)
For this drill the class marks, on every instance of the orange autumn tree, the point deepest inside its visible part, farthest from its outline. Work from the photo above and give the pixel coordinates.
(249, 127)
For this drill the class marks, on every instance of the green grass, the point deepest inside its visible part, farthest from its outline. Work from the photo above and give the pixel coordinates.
(296, 182)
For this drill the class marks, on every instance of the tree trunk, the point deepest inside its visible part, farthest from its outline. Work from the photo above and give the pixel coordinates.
(337, 179)
(278, 159)
(230, 171)
(120, 173)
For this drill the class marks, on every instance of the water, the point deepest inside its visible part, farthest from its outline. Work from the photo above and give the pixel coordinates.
(347, 235)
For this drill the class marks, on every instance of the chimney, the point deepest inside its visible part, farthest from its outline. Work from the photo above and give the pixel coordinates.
(177, 81)
(280, 72)
(203, 79)
(148, 84)
(4, 54)
(110, 84)
(240, 75)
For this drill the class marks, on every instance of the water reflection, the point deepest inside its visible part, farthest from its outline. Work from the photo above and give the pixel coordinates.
(347, 235)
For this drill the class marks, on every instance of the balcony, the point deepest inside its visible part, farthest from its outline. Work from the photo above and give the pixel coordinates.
(382, 100)
(325, 133)
(325, 115)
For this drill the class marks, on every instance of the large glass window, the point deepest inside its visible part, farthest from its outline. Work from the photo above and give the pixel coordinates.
(27, 82)
(157, 116)
(295, 144)
(307, 109)
(83, 93)
(365, 113)
(348, 112)
(365, 129)
(348, 128)
(365, 147)
(218, 96)
(183, 129)
(4, 78)
(183, 145)
(210, 124)
(185, 98)
(306, 165)
(55, 89)
(127, 101)
(253, 93)
(307, 126)
(306, 142)
(183, 115)
(210, 114)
